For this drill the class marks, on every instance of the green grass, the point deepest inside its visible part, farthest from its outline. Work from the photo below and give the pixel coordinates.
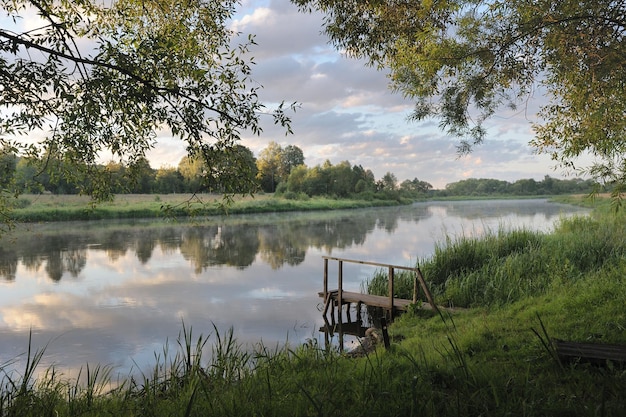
(48, 208)
(494, 359)
(504, 267)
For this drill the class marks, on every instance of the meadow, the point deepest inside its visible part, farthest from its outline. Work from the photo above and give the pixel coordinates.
(521, 290)
(50, 207)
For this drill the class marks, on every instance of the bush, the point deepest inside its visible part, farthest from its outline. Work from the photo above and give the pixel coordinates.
(290, 195)
(281, 188)
(21, 203)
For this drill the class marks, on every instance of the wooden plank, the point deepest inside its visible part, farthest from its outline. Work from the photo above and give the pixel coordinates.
(429, 296)
(590, 352)
(373, 300)
(406, 268)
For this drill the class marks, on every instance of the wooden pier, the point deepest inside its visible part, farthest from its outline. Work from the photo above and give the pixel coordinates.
(336, 299)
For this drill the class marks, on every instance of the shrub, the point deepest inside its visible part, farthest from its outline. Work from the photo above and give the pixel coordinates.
(290, 195)
(22, 202)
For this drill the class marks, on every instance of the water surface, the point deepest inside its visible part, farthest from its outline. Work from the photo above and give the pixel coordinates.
(113, 292)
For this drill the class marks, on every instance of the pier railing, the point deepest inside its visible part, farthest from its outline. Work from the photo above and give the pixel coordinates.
(389, 303)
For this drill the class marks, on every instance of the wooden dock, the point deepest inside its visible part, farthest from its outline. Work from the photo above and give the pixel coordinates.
(390, 303)
(336, 299)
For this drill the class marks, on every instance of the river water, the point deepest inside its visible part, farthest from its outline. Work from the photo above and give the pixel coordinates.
(114, 293)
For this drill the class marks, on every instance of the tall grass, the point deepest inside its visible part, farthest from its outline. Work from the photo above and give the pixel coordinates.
(508, 266)
(455, 373)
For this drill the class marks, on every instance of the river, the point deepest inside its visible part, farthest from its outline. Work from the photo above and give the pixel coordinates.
(114, 293)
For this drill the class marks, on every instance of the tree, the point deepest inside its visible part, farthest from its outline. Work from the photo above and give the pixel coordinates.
(103, 78)
(25, 177)
(291, 157)
(525, 187)
(192, 170)
(8, 163)
(168, 180)
(269, 166)
(364, 180)
(231, 171)
(117, 177)
(463, 61)
(416, 186)
(340, 182)
(296, 181)
(389, 182)
(275, 164)
(141, 176)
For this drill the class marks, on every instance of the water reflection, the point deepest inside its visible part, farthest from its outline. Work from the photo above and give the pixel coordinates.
(278, 240)
(114, 292)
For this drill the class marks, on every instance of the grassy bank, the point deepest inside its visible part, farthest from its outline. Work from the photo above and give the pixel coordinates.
(48, 208)
(522, 289)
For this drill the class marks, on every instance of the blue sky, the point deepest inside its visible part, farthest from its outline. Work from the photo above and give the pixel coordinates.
(348, 112)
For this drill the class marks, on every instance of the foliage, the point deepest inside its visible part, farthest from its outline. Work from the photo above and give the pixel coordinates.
(275, 164)
(269, 166)
(389, 182)
(416, 186)
(340, 180)
(521, 187)
(95, 79)
(463, 61)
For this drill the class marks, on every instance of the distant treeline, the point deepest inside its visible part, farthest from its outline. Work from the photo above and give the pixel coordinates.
(277, 169)
(523, 187)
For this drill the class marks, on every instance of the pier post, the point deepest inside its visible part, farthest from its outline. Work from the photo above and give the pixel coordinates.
(340, 290)
(325, 278)
(391, 291)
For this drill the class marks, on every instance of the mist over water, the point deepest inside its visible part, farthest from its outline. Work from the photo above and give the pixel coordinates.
(113, 293)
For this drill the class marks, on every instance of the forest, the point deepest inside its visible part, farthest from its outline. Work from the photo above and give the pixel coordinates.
(277, 169)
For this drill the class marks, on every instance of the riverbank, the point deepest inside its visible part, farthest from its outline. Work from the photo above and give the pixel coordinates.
(494, 359)
(49, 208)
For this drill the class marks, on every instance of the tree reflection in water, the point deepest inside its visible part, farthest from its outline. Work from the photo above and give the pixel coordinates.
(279, 239)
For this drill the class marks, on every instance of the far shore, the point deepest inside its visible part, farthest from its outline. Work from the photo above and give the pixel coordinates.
(50, 208)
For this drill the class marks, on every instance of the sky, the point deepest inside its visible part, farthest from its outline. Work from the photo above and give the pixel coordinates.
(347, 111)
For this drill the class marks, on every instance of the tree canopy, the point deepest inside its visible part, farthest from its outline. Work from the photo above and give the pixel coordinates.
(275, 163)
(86, 79)
(464, 60)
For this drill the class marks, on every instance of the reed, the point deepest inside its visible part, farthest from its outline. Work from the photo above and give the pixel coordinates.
(468, 365)
(508, 266)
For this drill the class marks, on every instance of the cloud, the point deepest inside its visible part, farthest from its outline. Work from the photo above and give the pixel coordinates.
(347, 111)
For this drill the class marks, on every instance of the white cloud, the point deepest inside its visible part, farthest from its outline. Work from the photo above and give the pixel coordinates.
(348, 112)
